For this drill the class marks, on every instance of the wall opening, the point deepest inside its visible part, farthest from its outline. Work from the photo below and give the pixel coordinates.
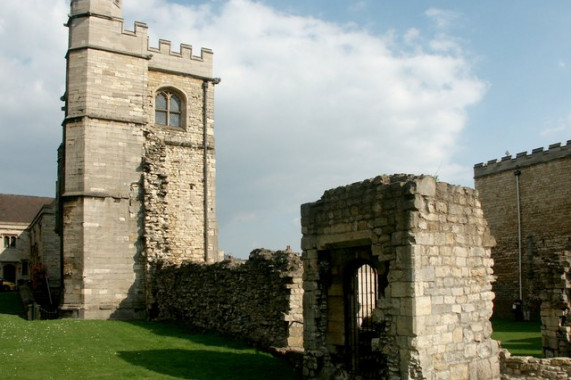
(355, 281)
(361, 301)
(10, 272)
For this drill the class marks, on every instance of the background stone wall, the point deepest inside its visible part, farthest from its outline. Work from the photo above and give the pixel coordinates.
(545, 177)
(259, 300)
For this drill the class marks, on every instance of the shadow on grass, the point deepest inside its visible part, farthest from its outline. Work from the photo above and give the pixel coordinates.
(532, 343)
(213, 361)
(181, 329)
(519, 338)
(206, 365)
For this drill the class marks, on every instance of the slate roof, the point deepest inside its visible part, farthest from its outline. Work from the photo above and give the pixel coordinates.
(21, 208)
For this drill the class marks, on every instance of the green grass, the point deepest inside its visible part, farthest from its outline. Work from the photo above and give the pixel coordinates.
(79, 349)
(519, 338)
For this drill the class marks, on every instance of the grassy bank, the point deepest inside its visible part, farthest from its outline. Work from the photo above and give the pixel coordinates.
(74, 349)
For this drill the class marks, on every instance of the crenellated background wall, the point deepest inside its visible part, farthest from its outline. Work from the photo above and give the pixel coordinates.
(544, 176)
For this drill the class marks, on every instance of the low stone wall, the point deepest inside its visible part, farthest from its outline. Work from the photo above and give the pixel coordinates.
(259, 300)
(527, 367)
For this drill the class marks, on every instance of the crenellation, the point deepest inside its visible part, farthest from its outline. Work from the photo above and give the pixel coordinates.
(523, 159)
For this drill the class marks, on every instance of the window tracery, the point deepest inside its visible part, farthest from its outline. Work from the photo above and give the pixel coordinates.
(168, 109)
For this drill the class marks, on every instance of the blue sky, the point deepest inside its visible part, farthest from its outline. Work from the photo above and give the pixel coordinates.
(316, 94)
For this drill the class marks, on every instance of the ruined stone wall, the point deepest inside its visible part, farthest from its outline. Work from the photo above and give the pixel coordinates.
(544, 177)
(554, 290)
(174, 177)
(431, 247)
(259, 300)
(527, 367)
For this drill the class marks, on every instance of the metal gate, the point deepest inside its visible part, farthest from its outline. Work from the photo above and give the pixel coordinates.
(361, 301)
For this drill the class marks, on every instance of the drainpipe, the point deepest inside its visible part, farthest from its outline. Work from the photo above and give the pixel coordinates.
(205, 173)
(517, 173)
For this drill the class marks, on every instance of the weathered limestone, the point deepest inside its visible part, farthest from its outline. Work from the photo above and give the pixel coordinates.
(430, 248)
(530, 368)
(131, 191)
(259, 300)
(554, 289)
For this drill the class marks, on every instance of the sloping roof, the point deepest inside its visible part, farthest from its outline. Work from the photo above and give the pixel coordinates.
(21, 208)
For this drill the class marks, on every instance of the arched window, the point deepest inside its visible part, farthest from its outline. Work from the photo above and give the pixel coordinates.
(168, 109)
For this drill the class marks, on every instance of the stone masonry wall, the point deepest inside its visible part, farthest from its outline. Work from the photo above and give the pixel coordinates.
(431, 247)
(258, 300)
(545, 177)
(527, 367)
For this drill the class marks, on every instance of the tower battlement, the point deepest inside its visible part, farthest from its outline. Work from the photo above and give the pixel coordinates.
(164, 58)
(104, 17)
(523, 159)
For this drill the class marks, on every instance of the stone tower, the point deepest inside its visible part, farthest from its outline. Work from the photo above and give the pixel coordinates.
(136, 181)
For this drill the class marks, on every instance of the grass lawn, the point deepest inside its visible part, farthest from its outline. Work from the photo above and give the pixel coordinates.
(79, 349)
(519, 338)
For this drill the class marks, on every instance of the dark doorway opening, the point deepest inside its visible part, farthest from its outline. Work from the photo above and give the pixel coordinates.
(10, 272)
(362, 295)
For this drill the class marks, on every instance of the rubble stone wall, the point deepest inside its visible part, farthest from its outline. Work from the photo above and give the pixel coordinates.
(554, 289)
(259, 300)
(527, 367)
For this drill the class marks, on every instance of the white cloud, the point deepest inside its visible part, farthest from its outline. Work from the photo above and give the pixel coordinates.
(304, 105)
(443, 18)
(559, 128)
(358, 6)
(411, 36)
(32, 73)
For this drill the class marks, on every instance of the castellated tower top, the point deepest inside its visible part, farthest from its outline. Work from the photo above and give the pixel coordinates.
(98, 25)
(110, 8)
